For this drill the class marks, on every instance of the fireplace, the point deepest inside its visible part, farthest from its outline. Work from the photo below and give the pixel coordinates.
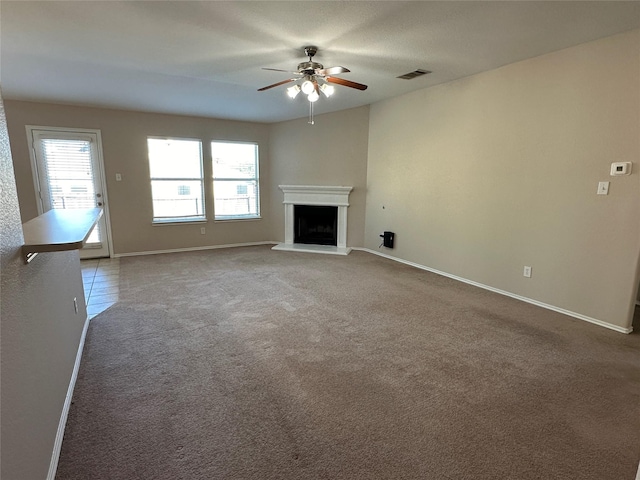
(315, 224)
(327, 232)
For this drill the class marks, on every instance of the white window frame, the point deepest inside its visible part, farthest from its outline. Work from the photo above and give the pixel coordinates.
(226, 218)
(179, 219)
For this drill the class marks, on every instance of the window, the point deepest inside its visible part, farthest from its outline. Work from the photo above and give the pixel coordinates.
(236, 190)
(67, 173)
(177, 181)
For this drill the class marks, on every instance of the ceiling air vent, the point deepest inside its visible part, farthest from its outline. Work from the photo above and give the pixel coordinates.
(414, 74)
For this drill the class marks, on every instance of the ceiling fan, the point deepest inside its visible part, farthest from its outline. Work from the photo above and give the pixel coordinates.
(315, 78)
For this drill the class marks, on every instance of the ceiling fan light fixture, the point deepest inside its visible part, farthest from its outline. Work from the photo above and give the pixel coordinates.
(311, 78)
(308, 87)
(293, 91)
(327, 90)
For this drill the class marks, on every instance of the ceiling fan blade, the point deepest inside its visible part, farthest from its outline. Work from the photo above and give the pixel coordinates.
(332, 71)
(276, 84)
(279, 70)
(346, 83)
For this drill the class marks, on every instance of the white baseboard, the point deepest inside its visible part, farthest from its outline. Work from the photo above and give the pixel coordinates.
(191, 249)
(504, 292)
(57, 445)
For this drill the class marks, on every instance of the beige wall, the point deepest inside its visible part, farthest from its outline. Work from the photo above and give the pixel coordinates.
(333, 151)
(124, 137)
(40, 334)
(484, 175)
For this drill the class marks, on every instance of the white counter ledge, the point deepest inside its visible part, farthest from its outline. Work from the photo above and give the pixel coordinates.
(58, 230)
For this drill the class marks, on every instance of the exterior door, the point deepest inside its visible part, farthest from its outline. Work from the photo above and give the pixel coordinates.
(68, 174)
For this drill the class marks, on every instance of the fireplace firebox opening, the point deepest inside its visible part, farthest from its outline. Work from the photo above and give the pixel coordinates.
(315, 224)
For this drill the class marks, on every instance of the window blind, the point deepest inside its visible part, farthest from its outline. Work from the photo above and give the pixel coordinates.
(68, 171)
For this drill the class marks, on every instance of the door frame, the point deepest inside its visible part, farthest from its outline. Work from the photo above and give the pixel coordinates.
(100, 161)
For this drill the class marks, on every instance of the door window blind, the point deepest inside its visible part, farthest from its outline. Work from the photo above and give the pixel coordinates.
(69, 176)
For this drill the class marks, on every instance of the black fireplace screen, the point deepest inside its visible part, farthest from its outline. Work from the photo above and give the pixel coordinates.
(316, 225)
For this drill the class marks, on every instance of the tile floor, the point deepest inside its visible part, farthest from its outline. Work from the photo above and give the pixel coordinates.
(101, 279)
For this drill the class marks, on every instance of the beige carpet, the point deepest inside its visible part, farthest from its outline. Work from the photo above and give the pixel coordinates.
(247, 363)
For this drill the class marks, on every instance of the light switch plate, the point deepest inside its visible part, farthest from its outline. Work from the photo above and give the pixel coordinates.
(603, 188)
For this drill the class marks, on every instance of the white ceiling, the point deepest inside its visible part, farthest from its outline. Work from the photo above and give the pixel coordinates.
(205, 58)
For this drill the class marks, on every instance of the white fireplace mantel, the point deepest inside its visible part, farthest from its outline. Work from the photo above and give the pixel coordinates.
(336, 196)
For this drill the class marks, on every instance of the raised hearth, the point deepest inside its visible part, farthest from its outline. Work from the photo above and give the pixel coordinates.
(313, 195)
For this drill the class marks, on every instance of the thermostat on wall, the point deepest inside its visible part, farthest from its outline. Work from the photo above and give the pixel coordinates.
(620, 168)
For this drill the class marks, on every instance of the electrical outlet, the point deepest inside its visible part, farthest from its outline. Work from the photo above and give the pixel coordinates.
(75, 304)
(202, 231)
(527, 272)
(118, 177)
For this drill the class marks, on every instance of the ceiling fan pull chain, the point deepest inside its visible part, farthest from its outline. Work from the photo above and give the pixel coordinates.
(310, 122)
